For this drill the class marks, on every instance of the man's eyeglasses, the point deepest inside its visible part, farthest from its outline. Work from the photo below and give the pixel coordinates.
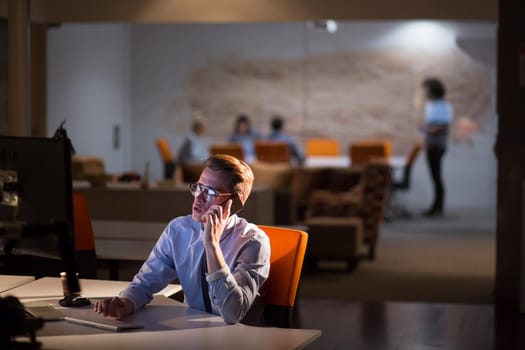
(209, 193)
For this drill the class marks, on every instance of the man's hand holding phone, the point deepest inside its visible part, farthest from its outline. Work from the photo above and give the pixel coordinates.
(215, 221)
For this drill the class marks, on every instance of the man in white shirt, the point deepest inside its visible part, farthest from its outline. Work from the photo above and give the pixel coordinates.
(220, 259)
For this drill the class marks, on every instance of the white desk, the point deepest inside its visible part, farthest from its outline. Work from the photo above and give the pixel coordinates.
(217, 337)
(124, 241)
(168, 324)
(327, 161)
(345, 161)
(123, 249)
(51, 288)
(139, 230)
(11, 281)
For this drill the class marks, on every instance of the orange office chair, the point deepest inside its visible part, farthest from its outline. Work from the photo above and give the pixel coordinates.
(233, 149)
(363, 151)
(322, 147)
(272, 151)
(167, 157)
(84, 238)
(288, 248)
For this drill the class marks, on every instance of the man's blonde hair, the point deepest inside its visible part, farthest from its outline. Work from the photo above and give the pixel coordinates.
(239, 173)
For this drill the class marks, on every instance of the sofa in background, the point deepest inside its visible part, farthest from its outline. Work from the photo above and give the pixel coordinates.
(366, 202)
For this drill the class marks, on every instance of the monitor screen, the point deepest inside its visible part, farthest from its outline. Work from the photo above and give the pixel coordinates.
(36, 198)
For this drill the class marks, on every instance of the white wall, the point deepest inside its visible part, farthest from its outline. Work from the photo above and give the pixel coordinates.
(89, 87)
(143, 77)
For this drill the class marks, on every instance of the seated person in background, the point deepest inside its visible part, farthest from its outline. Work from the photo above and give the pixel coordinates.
(195, 148)
(277, 134)
(245, 135)
(220, 259)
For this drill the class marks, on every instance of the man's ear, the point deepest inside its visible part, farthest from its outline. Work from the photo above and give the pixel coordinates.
(241, 197)
(236, 205)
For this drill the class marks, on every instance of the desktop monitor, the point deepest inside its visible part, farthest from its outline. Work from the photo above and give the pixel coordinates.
(36, 206)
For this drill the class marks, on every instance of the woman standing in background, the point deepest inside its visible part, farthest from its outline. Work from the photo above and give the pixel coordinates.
(438, 114)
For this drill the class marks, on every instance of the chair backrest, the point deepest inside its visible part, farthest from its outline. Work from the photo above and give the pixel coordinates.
(411, 158)
(166, 155)
(288, 247)
(322, 147)
(164, 149)
(272, 151)
(407, 170)
(84, 237)
(363, 151)
(233, 149)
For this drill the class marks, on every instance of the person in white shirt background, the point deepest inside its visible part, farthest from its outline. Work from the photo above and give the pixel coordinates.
(438, 115)
(195, 148)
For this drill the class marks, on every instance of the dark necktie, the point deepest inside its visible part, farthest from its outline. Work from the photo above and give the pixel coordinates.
(204, 283)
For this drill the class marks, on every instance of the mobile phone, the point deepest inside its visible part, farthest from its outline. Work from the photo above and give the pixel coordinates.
(236, 204)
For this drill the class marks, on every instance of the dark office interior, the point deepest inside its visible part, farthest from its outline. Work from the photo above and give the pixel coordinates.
(432, 316)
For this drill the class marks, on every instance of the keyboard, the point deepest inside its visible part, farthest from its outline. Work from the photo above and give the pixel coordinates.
(79, 315)
(43, 310)
(87, 317)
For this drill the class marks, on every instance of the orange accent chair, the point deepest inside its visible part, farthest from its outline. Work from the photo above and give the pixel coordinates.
(233, 149)
(288, 247)
(272, 151)
(363, 151)
(167, 157)
(84, 237)
(322, 147)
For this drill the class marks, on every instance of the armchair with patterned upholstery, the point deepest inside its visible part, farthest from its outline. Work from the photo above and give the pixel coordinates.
(366, 201)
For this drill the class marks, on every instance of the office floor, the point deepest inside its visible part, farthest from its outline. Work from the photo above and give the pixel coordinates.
(399, 302)
(409, 326)
(450, 259)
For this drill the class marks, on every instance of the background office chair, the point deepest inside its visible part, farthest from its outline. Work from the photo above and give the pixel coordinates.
(288, 248)
(166, 155)
(272, 151)
(322, 147)
(233, 149)
(395, 210)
